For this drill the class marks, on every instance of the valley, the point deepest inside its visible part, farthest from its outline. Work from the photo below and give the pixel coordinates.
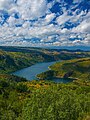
(44, 99)
(76, 68)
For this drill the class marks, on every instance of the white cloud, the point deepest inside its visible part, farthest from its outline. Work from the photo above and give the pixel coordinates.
(49, 17)
(27, 9)
(83, 27)
(63, 18)
(33, 19)
(32, 9)
(6, 4)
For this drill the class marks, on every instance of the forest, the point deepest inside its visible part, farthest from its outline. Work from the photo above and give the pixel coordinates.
(21, 99)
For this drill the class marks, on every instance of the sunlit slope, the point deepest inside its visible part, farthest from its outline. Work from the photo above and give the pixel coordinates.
(15, 58)
(11, 61)
(77, 68)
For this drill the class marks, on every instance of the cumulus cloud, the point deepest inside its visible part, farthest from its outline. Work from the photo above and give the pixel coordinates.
(37, 22)
(83, 27)
(32, 9)
(6, 4)
(49, 17)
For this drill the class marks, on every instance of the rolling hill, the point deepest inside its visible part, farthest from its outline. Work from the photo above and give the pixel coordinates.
(76, 68)
(21, 99)
(15, 58)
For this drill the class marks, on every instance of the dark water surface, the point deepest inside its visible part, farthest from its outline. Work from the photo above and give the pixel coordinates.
(30, 72)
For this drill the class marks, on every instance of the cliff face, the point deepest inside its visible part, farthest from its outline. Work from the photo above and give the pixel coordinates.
(68, 74)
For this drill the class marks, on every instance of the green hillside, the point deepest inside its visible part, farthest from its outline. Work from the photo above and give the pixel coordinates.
(43, 100)
(15, 58)
(76, 68)
(11, 61)
(21, 99)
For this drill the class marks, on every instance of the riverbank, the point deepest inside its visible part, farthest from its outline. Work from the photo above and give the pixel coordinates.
(16, 58)
(31, 72)
(78, 69)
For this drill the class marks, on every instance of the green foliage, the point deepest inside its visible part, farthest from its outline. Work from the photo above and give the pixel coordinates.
(43, 100)
(76, 68)
(11, 61)
(22, 88)
(14, 58)
(10, 105)
(46, 75)
(59, 102)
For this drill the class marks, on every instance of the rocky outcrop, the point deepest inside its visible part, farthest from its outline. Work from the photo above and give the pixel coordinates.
(68, 74)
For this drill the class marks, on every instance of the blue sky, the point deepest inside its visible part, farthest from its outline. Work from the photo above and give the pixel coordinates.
(45, 22)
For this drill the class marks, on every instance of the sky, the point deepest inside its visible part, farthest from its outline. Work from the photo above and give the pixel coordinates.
(45, 23)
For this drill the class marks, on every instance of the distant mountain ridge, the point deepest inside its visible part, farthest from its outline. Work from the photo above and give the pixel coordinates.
(61, 48)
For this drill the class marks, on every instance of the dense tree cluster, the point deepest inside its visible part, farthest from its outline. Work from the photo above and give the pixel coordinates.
(40, 100)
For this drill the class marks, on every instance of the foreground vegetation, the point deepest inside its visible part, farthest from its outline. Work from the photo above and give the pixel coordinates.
(40, 100)
(43, 100)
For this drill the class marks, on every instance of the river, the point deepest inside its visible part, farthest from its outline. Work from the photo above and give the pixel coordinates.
(30, 72)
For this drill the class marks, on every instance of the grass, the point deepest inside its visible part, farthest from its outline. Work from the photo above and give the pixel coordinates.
(76, 68)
